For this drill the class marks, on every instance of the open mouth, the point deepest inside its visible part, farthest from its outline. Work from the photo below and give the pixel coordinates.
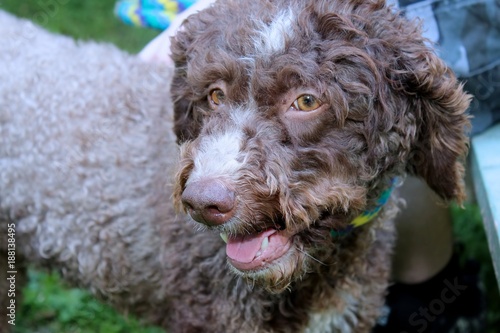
(256, 251)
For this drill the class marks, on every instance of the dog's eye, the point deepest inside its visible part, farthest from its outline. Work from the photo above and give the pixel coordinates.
(306, 103)
(216, 97)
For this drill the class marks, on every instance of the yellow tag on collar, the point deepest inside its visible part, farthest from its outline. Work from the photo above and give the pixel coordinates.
(363, 219)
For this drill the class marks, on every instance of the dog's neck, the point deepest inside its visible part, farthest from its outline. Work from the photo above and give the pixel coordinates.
(367, 215)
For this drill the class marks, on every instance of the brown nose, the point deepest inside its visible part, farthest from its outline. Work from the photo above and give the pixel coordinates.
(209, 202)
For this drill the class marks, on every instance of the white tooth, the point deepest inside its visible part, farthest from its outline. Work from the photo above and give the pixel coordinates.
(265, 244)
(223, 235)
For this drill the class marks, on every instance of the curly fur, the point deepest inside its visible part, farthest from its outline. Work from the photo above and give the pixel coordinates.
(390, 106)
(87, 152)
(85, 156)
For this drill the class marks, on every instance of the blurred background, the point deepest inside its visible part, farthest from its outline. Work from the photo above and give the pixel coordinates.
(51, 307)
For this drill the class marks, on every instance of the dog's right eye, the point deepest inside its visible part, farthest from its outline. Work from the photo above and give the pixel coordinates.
(216, 98)
(306, 103)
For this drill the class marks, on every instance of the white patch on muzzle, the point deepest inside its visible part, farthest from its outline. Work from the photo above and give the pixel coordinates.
(217, 156)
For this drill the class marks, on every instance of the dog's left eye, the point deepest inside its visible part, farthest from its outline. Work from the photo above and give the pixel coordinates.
(216, 97)
(306, 103)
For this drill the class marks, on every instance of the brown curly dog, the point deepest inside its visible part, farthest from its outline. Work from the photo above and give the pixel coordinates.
(296, 119)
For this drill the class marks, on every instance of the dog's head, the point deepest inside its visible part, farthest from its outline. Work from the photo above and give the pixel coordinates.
(295, 115)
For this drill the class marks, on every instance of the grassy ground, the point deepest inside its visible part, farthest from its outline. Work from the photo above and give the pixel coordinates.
(50, 306)
(89, 19)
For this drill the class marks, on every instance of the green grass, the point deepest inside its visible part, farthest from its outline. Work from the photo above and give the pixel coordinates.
(49, 306)
(82, 19)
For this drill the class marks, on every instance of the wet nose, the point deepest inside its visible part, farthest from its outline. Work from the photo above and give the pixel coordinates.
(209, 202)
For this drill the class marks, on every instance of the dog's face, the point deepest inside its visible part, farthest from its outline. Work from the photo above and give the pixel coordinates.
(295, 115)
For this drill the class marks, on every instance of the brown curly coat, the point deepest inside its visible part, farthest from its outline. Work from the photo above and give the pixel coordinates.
(388, 106)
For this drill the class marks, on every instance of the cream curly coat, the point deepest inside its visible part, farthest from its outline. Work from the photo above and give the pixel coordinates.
(86, 150)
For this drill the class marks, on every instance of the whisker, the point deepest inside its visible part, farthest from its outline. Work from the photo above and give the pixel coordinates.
(310, 256)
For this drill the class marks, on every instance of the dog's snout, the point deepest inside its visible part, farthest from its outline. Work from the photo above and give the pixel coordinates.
(209, 202)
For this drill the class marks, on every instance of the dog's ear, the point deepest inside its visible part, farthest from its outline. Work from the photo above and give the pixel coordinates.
(439, 105)
(187, 121)
(185, 125)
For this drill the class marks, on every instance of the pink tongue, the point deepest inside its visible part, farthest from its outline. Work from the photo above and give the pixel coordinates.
(244, 248)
